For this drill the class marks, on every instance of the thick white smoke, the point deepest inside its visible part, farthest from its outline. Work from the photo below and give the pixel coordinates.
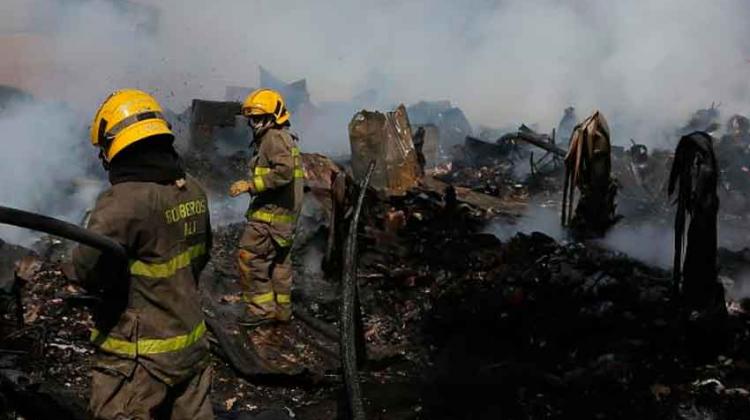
(535, 219)
(648, 242)
(46, 167)
(647, 65)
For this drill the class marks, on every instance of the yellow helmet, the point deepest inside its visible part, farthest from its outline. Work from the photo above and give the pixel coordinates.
(125, 117)
(266, 102)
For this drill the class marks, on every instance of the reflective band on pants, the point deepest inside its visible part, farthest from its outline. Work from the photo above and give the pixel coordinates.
(267, 217)
(283, 298)
(169, 268)
(262, 298)
(284, 243)
(148, 345)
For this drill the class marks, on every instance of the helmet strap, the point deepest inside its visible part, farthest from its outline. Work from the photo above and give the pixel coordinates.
(260, 124)
(103, 159)
(104, 142)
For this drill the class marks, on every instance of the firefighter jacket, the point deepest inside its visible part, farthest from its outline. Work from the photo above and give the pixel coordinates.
(150, 312)
(276, 183)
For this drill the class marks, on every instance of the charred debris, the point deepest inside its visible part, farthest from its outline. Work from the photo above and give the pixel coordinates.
(412, 307)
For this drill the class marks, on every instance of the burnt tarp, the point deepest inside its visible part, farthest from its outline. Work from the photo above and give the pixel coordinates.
(207, 115)
(450, 121)
(387, 139)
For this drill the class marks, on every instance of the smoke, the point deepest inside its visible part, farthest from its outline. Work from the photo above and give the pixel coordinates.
(652, 241)
(44, 164)
(740, 286)
(226, 210)
(536, 219)
(648, 242)
(646, 65)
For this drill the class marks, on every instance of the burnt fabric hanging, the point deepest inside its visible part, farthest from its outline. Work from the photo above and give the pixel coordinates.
(693, 178)
(588, 167)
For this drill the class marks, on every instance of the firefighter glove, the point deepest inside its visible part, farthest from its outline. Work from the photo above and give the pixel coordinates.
(239, 187)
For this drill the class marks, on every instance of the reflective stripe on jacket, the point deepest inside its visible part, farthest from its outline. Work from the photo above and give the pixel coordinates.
(151, 311)
(277, 183)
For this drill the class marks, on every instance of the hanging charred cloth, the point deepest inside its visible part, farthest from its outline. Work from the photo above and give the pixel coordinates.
(693, 178)
(588, 167)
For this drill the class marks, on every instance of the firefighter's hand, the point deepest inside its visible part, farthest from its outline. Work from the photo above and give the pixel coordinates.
(239, 187)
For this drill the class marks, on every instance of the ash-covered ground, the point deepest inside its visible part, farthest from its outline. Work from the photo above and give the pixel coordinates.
(468, 312)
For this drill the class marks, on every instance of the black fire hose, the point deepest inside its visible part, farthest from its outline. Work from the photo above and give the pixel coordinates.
(52, 226)
(348, 341)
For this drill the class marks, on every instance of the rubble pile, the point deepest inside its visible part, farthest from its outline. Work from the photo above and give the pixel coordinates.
(456, 323)
(490, 180)
(45, 356)
(551, 330)
(565, 331)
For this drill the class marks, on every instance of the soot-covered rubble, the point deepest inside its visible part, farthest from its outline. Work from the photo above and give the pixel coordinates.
(456, 322)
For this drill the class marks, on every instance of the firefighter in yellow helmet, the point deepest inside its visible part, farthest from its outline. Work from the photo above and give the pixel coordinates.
(274, 182)
(152, 349)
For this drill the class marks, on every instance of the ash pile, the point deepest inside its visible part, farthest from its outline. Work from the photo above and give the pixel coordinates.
(465, 309)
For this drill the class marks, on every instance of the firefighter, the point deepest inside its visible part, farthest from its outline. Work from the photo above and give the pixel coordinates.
(152, 349)
(274, 182)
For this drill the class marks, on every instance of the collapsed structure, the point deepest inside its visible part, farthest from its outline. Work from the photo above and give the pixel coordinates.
(556, 327)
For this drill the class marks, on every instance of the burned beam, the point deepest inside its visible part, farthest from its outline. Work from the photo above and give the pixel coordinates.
(538, 140)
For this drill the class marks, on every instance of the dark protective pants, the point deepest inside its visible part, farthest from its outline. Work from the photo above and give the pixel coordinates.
(265, 264)
(143, 397)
